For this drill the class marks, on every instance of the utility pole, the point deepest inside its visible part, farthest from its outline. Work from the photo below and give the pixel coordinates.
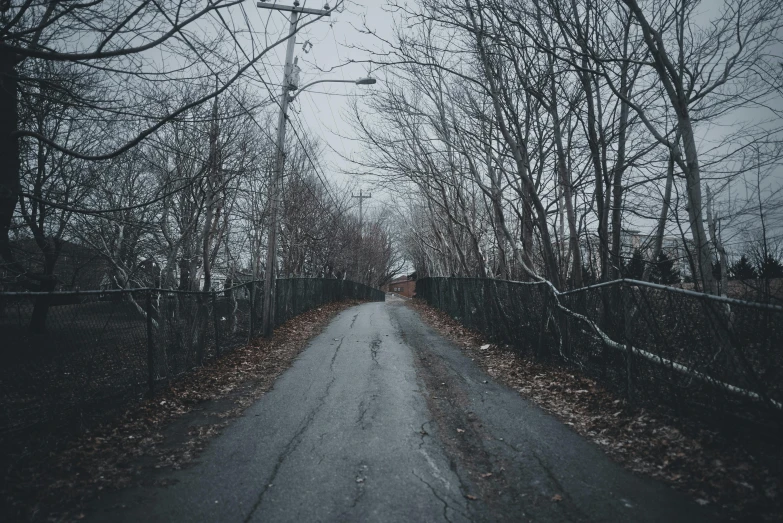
(361, 197)
(267, 318)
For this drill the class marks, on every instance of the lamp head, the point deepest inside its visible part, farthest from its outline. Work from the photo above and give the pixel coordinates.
(365, 81)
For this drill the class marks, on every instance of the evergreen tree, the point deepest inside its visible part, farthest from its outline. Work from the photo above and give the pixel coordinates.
(742, 270)
(716, 271)
(634, 268)
(663, 271)
(770, 268)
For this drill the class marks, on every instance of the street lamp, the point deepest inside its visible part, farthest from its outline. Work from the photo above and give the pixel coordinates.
(360, 81)
(267, 317)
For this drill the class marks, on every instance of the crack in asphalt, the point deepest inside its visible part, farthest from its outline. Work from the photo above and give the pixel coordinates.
(363, 408)
(446, 505)
(375, 345)
(358, 492)
(364, 403)
(360, 484)
(362, 411)
(354, 320)
(423, 433)
(295, 440)
(334, 356)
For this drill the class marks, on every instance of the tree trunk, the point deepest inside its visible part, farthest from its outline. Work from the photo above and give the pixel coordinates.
(565, 182)
(718, 245)
(693, 190)
(48, 284)
(667, 196)
(595, 155)
(9, 152)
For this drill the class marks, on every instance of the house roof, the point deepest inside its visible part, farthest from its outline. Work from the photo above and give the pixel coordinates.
(400, 279)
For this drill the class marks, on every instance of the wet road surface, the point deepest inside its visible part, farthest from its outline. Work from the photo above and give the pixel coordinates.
(381, 419)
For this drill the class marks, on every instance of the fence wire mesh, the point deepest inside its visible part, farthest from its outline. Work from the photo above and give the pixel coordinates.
(100, 352)
(653, 343)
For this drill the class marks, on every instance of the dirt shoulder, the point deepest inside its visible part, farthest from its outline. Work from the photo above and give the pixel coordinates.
(713, 468)
(166, 431)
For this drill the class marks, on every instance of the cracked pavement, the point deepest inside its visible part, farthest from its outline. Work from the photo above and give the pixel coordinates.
(381, 419)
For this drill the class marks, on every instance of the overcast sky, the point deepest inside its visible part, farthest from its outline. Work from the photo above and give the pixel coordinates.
(322, 110)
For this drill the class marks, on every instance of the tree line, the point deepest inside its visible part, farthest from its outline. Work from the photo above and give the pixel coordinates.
(553, 138)
(141, 133)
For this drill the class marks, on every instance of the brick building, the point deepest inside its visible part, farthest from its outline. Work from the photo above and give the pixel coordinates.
(404, 286)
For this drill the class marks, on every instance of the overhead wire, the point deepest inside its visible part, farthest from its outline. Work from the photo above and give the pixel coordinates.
(313, 164)
(320, 175)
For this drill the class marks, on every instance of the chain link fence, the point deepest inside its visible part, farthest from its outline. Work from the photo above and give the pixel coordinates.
(101, 351)
(654, 343)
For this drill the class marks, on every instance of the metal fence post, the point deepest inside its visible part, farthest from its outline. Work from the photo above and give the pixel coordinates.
(215, 321)
(252, 308)
(543, 324)
(627, 333)
(150, 347)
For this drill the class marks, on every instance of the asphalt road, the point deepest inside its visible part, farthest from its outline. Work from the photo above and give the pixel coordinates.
(381, 419)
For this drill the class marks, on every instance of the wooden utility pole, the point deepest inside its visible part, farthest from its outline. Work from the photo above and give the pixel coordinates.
(361, 197)
(267, 318)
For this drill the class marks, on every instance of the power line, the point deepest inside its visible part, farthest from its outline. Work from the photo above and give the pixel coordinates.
(321, 176)
(277, 102)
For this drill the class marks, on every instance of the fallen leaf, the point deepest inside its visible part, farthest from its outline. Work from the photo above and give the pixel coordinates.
(460, 430)
(471, 497)
(557, 497)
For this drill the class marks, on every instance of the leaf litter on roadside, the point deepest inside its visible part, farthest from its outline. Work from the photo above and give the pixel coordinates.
(53, 486)
(650, 440)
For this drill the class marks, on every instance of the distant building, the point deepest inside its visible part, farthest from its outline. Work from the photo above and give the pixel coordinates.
(630, 240)
(404, 286)
(78, 267)
(239, 283)
(672, 246)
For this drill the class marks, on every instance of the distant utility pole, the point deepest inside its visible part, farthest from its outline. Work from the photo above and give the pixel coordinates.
(267, 319)
(361, 197)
